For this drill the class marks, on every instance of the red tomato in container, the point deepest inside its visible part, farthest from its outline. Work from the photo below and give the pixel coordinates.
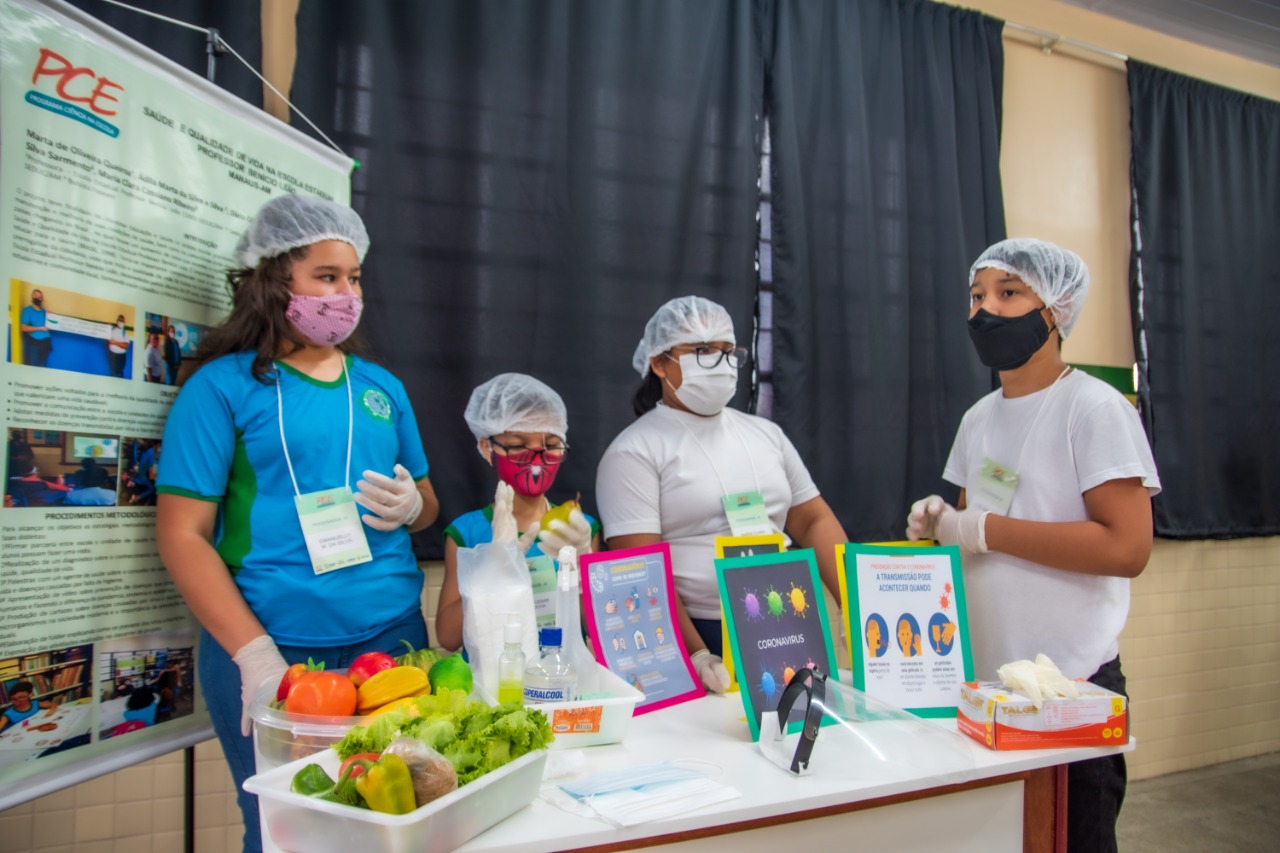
(368, 665)
(327, 694)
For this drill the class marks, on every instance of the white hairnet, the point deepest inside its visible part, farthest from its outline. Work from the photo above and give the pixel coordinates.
(685, 320)
(514, 402)
(1057, 275)
(289, 221)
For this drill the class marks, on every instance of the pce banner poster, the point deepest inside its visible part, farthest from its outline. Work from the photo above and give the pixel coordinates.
(125, 182)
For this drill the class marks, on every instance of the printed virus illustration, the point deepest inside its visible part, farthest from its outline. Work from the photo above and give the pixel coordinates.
(751, 604)
(799, 603)
(768, 685)
(945, 602)
(788, 672)
(773, 600)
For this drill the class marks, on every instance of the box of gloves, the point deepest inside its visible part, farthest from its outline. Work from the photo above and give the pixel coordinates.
(1001, 718)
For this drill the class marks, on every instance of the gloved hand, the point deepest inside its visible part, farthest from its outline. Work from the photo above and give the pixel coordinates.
(711, 670)
(504, 521)
(391, 502)
(576, 532)
(922, 521)
(964, 527)
(260, 662)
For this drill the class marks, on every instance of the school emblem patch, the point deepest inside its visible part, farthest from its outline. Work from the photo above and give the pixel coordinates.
(376, 404)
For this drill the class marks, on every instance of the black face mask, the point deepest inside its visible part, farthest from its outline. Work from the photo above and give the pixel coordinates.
(37, 301)
(1007, 343)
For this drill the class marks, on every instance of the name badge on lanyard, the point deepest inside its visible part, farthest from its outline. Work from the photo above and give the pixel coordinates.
(747, 514)
(330, 522)
(994, 489)
(332, 529)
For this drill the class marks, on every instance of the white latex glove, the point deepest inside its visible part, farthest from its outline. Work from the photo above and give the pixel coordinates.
(922, 521)
(504, 521)
(711, 670)
(391, 502)
(964, 527)
(1037, 681)
(260, 662)
(576, 532)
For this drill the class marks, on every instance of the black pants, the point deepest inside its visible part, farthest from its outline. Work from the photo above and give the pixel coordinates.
(710, 632)
(116, 361)
(35, 351)
(1095, 788)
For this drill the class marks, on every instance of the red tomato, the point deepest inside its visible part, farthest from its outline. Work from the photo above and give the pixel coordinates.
(368, 665)
(359, 768)
(327, 694)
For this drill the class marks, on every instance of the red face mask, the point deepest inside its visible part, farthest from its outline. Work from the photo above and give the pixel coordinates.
(531, 480)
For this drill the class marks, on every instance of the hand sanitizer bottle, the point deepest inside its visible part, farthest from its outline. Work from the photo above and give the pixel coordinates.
(551, 678)
(511, 665)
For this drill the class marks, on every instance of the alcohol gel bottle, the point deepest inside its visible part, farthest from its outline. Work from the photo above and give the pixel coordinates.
(551, 678)
(511, 665)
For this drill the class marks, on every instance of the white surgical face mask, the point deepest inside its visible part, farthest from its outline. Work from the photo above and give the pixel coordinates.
(634, 795)
(706, 391)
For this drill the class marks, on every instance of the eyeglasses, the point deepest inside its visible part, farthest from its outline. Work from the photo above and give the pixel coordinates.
(552, 452)
(709, 357)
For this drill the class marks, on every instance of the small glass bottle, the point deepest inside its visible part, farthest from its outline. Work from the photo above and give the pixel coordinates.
(550, 678)
(511, 665)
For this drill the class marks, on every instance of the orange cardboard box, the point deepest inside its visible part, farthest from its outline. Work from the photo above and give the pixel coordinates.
(994, 715)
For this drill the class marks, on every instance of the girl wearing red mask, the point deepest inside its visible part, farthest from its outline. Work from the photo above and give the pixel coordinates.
(520, 426)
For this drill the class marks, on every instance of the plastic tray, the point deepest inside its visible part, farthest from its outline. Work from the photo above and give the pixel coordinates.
(298, 824)
(590, 722)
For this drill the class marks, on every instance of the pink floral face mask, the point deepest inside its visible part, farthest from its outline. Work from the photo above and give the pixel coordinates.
(325, 321)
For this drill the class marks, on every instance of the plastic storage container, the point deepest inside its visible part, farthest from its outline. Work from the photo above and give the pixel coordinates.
(589, 722)
(298, 824)
(280, 737)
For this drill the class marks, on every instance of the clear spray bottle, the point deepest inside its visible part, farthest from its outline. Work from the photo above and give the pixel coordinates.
(569, 620)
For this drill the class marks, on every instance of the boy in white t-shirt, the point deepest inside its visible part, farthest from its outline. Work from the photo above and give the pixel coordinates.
(1054, 517)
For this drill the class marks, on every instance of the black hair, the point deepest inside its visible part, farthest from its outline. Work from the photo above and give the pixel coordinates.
(23, 685)
(139, 699)
(648, 394)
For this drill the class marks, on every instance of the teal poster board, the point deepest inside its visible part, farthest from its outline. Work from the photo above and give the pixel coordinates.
(906, 624)
(777, 621)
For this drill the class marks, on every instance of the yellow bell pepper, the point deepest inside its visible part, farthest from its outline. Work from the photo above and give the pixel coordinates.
(390, 685)
(387, 786)
(404, 703)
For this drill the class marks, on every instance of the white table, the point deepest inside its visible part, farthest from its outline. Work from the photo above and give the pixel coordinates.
(1008, 800)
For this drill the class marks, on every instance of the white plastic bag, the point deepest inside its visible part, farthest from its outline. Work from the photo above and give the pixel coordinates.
(494, 583)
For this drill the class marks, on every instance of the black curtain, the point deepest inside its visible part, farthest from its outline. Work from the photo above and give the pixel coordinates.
(1205, 278)
(885, 122)
(237, 22)
(537, 178)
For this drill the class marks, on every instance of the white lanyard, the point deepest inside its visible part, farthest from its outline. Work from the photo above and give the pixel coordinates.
(350, 426)
(986, 432)
(724, 490)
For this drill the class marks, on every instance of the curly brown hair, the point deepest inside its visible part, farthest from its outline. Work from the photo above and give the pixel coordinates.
(259, 298)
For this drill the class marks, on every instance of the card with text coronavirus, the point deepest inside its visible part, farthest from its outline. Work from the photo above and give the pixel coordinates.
(777, 623)
(906, 626)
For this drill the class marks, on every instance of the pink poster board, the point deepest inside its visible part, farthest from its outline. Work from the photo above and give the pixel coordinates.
(629, 602)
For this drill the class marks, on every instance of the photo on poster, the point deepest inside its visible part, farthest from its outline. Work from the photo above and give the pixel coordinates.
(145, 681)
(906, 624)
(171, 344)
(777, 622)
(47, 468)
(63, 330)
(139, 466)
(46, 704)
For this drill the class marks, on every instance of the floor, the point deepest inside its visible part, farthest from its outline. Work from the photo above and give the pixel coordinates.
(1225, 807)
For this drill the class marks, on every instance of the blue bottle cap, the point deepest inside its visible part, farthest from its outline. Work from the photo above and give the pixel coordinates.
(549, 635)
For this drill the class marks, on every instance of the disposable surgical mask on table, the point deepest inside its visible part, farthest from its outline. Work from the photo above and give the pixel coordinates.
(628, 796)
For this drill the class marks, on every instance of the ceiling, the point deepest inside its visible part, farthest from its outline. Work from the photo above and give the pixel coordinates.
(1247, 28)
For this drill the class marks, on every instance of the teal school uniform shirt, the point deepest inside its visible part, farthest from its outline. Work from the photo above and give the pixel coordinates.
(33, 316)
(222, 444)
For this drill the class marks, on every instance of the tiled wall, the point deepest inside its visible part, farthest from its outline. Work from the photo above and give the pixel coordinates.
(1200, 651)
